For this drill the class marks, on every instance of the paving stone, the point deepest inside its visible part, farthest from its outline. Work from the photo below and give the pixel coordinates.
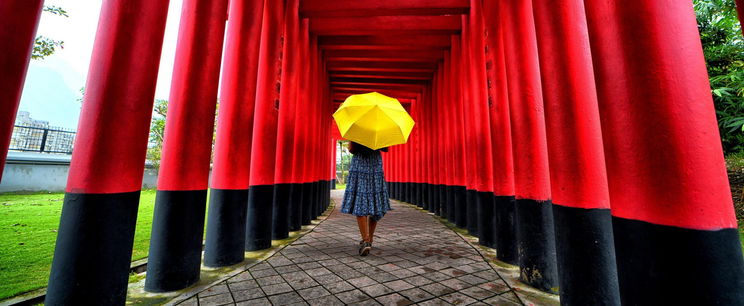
(415, 259)
(367, 302)
(244, 295)
(214, 300)
(416, 294)
(458, 299)
(270, 280)
(277, 288)
(302, 283)
(337, 287)
(376, 290)
(313, 292)
(500, 301)
(240, 277)
(328, 300)
(418, 280)
(259, 301)
(496, 287)
(363, 281)
(437, 289)
(477, 293)
(287, 269)
(217, 289)
(398, 285)
(393, 299)
(434, 302)
(190, 302)
(352, 296)
(286, 298)
(455, 284)
(318, 271)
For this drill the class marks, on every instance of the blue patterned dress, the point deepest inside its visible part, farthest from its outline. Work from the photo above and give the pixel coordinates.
(366, 191)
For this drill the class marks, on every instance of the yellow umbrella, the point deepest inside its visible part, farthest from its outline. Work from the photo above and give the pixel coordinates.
(373, 120)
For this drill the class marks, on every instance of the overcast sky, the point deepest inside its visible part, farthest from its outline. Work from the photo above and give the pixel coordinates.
(52, 84)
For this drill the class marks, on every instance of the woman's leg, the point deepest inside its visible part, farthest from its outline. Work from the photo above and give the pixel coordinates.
(363, 223)
(372, 226)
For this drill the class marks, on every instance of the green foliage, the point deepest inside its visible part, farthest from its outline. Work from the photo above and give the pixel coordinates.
(157, 133)
(45, 46)
(723, 45)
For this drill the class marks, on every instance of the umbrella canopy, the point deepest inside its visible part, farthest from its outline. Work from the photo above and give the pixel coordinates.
(373, 120)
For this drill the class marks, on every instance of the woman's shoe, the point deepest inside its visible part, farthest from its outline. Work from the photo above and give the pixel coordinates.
(364, 250)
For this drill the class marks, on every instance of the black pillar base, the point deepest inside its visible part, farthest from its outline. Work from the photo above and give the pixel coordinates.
(442, 204)
(471, 200)
(420, 194)
(586, 256)
(667, 265)
(451, 190)
(461, 207)
(280, 214)
(333, 184)
(258, 217)
(505, 230)
(295, 207)
(307, 200)
(93, 249)
(486, 219)
(176, 241)
(427, 196)
(536, 244)
(225, 243)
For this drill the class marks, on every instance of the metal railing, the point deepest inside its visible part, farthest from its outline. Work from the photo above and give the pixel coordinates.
(44, 140)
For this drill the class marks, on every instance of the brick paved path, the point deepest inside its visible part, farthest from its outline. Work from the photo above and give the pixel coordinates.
(415, 260)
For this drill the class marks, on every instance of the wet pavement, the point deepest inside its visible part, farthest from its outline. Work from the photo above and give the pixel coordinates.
(416, 259)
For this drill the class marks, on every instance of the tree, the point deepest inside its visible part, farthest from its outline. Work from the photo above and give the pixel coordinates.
(157, 133)
(723, 45)
(45, 46)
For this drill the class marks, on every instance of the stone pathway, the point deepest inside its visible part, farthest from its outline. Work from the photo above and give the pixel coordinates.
(415, 260)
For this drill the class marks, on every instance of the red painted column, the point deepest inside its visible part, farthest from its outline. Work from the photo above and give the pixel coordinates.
(671, 202)
(581, 203)
(308, 193)
(471, 128)
(18, 22)
(462, 147)
(228, 197)
(178, 222)
(449, 138)
(286, 121)
(300, 143)
(479, 86)
(501, 139)
(263, 148)
(534, 215)
(96, 231)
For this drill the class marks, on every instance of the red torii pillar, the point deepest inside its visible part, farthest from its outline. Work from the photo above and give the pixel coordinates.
(18, 22)
(96, 231)
(479, 86)
(534, 212)
(578, 179)
(503, 162)
(178, 221)
(285, 129)
(673, 218)
(225, 239)
(300, 127)
(263, 149)
(461, 148)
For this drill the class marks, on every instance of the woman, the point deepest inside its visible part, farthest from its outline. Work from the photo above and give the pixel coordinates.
(366, 194)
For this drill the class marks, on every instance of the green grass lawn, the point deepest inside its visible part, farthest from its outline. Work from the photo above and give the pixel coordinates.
(28, 230)
(340, 186)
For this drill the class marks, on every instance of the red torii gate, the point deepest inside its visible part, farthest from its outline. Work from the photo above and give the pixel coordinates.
(577, 138)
